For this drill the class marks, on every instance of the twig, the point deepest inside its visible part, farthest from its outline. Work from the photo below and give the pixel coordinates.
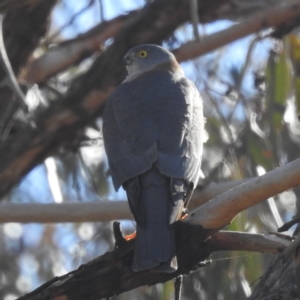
(11, 81)
(178, 287)
(242, 75)
(266, 18)
(71, 20)
(101, 10)
(195, 18)
(208, 179)
(289, 224)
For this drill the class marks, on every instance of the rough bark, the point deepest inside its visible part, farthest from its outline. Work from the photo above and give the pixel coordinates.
(111, 274)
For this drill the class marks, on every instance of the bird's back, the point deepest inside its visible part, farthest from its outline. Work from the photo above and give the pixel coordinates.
(153, 131)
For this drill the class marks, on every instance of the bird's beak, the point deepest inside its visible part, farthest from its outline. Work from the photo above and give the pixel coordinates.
(127, 60)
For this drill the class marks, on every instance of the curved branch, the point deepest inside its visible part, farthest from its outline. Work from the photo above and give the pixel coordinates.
(220, 211)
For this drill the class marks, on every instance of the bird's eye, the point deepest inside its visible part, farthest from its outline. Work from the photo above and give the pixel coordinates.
(142, 54)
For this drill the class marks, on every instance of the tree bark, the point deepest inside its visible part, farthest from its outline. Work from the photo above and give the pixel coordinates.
(111, 274)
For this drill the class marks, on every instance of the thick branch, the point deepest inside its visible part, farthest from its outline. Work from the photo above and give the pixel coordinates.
(111, 273)
(220, 211)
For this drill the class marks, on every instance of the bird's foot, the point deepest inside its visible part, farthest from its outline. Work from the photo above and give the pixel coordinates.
(184, 215)
(121, 240)
(130, 236)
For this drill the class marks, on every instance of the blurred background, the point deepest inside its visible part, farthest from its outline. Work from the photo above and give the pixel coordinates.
(251, 94)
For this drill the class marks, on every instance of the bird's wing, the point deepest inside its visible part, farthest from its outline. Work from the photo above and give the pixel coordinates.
(156, 118)
(181, 134)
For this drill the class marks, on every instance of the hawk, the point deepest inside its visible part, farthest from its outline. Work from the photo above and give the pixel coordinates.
(153, 129)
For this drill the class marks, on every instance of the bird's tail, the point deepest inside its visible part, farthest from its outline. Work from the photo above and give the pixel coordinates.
(155, 240)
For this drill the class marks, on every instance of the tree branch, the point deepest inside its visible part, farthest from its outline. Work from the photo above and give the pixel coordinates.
(220, 211)
(268, 18)
(111, 274)
(73, 51)
(92, 212)
(229, 199)
(241, 241)
(86, 97)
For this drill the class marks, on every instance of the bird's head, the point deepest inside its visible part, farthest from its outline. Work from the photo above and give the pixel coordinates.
(144, 58)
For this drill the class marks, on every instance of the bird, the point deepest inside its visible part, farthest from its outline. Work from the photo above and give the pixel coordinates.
(153, 128)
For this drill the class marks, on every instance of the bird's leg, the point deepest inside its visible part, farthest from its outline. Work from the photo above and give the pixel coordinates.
(178, 287)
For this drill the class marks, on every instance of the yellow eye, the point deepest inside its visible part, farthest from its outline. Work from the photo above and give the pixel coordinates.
(142, 54)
